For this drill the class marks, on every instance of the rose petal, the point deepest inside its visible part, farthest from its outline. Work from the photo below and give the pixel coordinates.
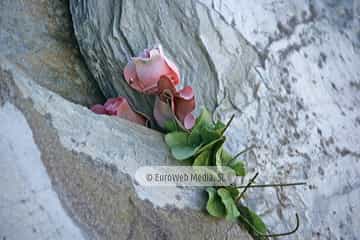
(189, 121)
(162, 112)
(175, 75)
(184, 106)
(166, 83)
(186, 93)
(130, 72)
(112, 105)
(144, 72)
(121, 108)
(99, 109)
(150, 71)
(131, 77)
(183, 102)
(124, 111)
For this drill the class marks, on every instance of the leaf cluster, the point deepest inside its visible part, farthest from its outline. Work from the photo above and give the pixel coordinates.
(204, 146)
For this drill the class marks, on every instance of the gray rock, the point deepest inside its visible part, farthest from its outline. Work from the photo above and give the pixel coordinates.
(108, 42)
(68, 173)
(288, 69)
(38, 36)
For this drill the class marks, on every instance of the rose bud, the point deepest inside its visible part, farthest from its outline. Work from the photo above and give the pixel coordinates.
(143, 72)
(172, 103)
(121, 108)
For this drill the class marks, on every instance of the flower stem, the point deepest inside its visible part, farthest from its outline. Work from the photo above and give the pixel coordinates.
(272, 185)
(242, 152)
(246, 187)
(261, 235)
(285, 233)
(228, 124)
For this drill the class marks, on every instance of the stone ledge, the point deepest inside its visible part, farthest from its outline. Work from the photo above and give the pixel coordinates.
(91, 160)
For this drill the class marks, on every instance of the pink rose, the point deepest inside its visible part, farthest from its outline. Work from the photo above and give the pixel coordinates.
(172, 103)
(121, 108)
(144, 71)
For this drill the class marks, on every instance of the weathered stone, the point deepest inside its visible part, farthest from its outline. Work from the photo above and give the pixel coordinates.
(38, 36)
(288, 69)
(91, 160)
(108, 42)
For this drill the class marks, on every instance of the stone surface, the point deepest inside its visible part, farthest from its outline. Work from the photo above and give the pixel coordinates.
(288, 69)
(108, 42)
(29, 207)
(38, 36)
(67, 173)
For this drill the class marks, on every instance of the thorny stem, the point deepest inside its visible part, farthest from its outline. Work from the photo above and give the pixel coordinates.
(228, 124)
(246, 187)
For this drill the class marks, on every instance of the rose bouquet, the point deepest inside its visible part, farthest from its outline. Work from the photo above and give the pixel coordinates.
(199, 141)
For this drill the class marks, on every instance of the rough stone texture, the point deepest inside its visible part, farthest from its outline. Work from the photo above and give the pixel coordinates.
(108, 42)
(29, 207)
(38, 36)
(288, 69)
(91, 160)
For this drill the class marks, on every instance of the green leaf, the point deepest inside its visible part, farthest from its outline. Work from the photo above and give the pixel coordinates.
(208, 130)
(195, 139)
(171, 126)
(183, 152)
(176, 139)
(218, 159)
(239, 168)
(211, 144)
(233, 191)
(221, 156)
(252, 221)
(219, 125)
(214, 205)
(203, 159)
(209, 133)
(226, 157)
(203, 120)
(231, 209)
(180, 145)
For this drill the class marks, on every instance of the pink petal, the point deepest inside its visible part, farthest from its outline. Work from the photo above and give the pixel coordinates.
(130, 72)
(189, 121)
(174, 72)
(186, 93)
(144, 72)
(131, 77)
(99, 109)
(165, 83)
(162, 112)
(150, 71)
(183, 101)
(121, 108)
(112, 105)
(184, 105)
